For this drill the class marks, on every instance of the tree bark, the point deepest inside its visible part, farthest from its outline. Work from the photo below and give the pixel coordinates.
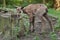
(44, 2)
(4, 3)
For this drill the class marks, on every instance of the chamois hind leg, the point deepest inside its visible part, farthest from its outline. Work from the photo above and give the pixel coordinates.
(50, 22)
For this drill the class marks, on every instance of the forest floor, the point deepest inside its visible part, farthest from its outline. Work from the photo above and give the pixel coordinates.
(45, 36)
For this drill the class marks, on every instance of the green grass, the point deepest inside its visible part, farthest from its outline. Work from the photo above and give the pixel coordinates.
(56, 14)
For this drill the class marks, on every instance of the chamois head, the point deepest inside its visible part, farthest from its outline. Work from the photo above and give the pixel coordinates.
(19, 9)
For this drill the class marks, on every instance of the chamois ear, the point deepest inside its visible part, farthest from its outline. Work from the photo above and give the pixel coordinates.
(46, 10)
(22, 7)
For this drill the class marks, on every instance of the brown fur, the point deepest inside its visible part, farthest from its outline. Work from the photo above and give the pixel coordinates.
(33, 9)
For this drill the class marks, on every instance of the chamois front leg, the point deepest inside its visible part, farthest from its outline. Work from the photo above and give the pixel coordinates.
(31, 19)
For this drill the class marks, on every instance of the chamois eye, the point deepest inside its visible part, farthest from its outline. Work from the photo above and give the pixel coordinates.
(19, 11)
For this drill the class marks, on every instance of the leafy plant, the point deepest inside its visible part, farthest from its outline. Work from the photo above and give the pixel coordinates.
(36, 38)
(53, 36)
